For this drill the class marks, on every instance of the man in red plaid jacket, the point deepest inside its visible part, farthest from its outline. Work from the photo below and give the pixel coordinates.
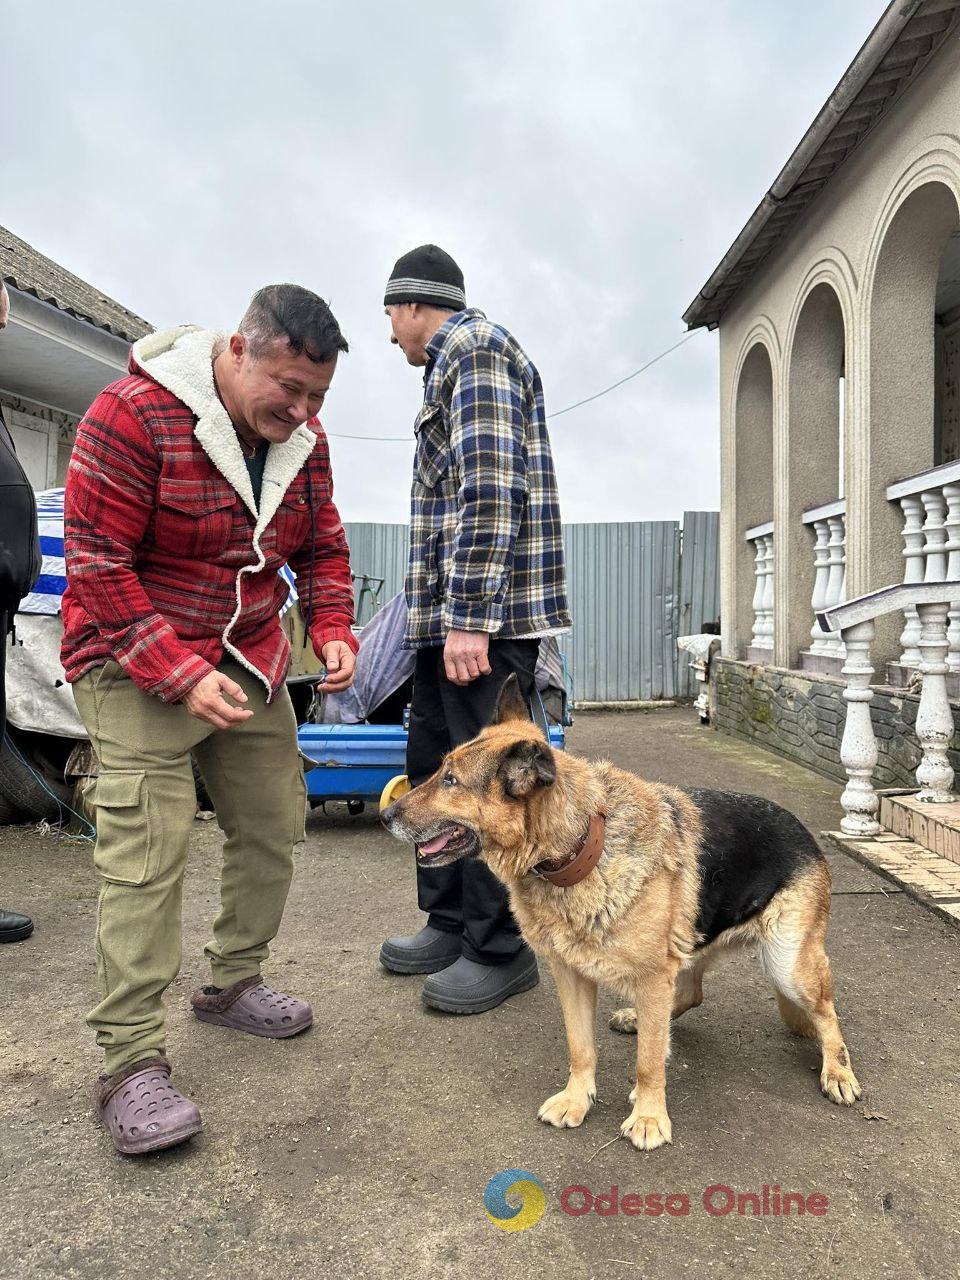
(192, 481)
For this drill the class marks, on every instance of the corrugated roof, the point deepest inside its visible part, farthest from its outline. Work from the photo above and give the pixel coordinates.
(26, 269)
(912, 30)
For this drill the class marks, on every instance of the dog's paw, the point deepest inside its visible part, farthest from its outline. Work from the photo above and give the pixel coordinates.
(624, 1020)
(567, 1109)
(647, 1130)
(840, 1084)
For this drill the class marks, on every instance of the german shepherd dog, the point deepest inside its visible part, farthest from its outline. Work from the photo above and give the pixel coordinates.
(677, 877)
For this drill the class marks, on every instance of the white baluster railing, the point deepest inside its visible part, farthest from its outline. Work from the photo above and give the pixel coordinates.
(858, 749)
(912, 509)
(768, 591)
(934, 536)
(829, 527)
(934, 717)
(760, 538)
(951, 493)
(930, 503)
(837, 578)
(821, 570)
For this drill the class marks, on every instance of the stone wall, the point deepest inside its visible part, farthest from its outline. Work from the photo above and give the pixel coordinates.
(801, 716)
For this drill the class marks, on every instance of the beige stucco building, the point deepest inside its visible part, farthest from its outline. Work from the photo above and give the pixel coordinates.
(838, 309)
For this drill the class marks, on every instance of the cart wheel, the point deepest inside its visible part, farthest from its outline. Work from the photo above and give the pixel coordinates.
(354, 807)
(395, 788)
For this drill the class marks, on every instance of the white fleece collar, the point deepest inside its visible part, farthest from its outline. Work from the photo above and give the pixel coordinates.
(181, 360)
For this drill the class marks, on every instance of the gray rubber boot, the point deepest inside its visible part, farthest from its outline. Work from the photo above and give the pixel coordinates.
(469, 987)
(425, 952)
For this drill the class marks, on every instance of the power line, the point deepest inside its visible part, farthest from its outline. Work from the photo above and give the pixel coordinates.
(613, 386)
(341, 435)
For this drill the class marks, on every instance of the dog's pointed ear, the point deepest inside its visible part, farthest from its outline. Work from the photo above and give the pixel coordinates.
(526, 766)
(511, 705)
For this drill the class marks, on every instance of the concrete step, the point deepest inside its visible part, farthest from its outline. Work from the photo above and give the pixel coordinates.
(926, 876)
(935, 827)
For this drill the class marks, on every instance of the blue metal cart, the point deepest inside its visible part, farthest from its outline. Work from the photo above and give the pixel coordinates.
(363, 763)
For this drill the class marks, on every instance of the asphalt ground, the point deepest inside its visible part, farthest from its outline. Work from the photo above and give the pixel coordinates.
(363, 1148)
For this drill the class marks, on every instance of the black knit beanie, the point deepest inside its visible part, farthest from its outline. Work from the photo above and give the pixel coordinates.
(429, 275)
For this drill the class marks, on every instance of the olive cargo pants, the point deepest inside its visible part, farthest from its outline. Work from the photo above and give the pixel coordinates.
(146, 801)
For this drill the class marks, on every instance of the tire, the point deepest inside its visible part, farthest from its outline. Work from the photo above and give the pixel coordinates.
(9, 814)
(28, 782)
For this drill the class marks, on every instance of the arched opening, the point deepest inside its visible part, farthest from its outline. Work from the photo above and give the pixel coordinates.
(753, 476)
(947, 355)
(812, 548)
(913, 310)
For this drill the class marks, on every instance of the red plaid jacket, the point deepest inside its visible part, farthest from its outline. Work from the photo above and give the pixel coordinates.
(163, 572)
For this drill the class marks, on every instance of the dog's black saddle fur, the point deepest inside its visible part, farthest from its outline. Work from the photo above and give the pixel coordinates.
(750, 849)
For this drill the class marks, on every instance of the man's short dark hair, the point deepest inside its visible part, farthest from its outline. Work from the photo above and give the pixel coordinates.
(289, 311)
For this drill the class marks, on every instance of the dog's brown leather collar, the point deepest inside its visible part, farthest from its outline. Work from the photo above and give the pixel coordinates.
(568, 871)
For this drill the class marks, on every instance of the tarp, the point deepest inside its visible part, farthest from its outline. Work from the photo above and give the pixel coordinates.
(700, 647)
(383, 666)
(38, 696)
(50, 586)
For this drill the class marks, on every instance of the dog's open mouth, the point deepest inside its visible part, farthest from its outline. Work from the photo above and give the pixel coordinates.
(446, 846)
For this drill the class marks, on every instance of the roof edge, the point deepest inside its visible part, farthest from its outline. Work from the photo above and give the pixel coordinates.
(706, 308)
(33, 274)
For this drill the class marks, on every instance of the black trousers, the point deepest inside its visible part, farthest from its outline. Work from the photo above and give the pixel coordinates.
(464, 898)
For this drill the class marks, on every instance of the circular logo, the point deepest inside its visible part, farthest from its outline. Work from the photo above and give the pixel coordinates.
(518, 1184)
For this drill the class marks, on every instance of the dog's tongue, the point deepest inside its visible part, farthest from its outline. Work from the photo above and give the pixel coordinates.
(435, 845)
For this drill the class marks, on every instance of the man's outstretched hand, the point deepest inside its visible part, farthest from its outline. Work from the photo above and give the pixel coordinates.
(206, 701)
(341, 662)
(465, 656)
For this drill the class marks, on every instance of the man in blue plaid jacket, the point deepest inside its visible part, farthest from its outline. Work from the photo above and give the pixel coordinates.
(485, 582)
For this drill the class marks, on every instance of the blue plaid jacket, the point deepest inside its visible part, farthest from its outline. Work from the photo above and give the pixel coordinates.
(486, 551)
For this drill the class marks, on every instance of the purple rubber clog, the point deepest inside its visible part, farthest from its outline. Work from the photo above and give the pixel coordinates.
(144, 1110)
(250, 1005)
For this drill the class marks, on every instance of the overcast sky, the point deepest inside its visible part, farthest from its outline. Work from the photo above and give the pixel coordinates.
(587, 164)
